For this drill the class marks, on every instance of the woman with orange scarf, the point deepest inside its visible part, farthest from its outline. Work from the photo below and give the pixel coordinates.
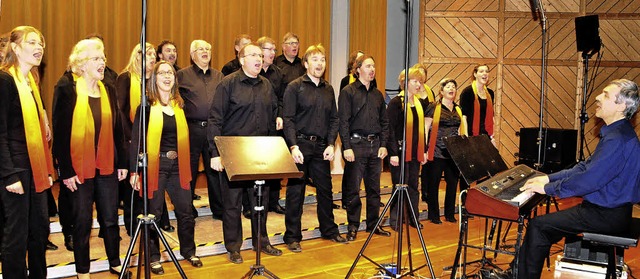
(169, 167)
(89, 150)
(27, 165)
(443, 119)
(415, 147)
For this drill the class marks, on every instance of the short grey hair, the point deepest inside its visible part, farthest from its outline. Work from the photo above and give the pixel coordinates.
(628, 95)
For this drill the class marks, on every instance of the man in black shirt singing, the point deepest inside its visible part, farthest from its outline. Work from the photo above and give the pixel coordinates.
(197, 87)
(244, 105)
(234, 65)
(364, 130)
(289, 62)
(311, 128)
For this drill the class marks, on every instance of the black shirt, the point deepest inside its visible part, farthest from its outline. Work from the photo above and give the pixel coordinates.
(467, 99)
(448, 127)
(362, 111)
(197, 88)
(396, 126)
(242, 106)
(310, 110)
(276, 77)
(291, 70)
(231, 66)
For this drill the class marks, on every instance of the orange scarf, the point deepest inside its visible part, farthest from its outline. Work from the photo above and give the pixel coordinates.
(435, 124)
(488, 118)
(409, 130)
(134, 94)
(84, 158)
(154, 135)
(34, 130)
(430, 96)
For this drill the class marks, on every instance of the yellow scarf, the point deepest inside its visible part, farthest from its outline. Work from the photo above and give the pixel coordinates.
(436, 124)
(409, 130)
(84, 159)
(488, 119)
(34, 130)
(430, 96)
(352, 78)
(134, 94)
(154, 135)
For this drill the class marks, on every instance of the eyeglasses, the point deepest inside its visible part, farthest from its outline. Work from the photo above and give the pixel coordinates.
(292, 43)
(34, 43)
(203, 49)
(254, 55)
(273, 49)
(165, 73)
(97, 59)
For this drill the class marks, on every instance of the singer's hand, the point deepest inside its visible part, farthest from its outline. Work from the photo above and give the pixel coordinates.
(394, 161)
(216, 164)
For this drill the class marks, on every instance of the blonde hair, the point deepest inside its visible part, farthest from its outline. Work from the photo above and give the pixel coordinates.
(311, 50)
(78, 56)
(134, 59)
(16, 36)
(414, 73)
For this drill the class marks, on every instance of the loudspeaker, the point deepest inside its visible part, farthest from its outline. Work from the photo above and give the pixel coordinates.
(559, 148)
(587, 34)
(580, 251)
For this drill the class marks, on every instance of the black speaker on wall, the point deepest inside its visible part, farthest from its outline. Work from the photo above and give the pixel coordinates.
(559, 148)
(587, 34)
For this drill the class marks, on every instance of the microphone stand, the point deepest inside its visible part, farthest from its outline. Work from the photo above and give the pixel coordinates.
(543, 74)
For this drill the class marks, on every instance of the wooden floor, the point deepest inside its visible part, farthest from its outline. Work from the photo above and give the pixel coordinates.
(322, 258)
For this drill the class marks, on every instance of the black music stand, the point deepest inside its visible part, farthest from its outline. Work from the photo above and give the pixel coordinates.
(256, 158)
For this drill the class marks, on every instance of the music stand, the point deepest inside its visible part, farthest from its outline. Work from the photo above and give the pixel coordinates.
(256, 158)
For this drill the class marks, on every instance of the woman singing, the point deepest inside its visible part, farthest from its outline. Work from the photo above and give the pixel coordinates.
(168, 152)
(415, 148)
(89, 150)
(443, 119)
(24, 152)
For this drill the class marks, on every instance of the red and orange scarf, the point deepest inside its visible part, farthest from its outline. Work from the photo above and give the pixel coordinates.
(409, 130)
(433, 135)
(488, 118)
(134, 94)
(85, 157)
(154, 135)
(34, 130)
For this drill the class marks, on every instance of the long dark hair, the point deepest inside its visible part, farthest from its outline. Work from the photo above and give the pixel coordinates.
(152, 89)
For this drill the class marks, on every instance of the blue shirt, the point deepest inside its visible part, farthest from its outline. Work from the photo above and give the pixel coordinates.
(610, 177)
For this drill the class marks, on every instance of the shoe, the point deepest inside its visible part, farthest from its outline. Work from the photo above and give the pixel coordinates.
(68, 242)
(196, 197)
(195, 261)
(451, 219)
(294, 247)
(335, 206)
(500, 274)
(380, 231)
(247, 214)
(277, 209)
(337, 238)
(169, 228)
(51, 246)
(435, 221)
(235, 257)
(195, 212)
(419, 226)
(112, 270)
(156, 268)
(270, 250)
(351, 235)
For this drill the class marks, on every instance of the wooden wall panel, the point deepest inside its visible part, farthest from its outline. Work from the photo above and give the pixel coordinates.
(620, 39)
(461, 37)
(554, 6)
(613, 6)
(460, 5)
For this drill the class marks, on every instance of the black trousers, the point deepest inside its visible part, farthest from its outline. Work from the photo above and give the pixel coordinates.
(199, 145)
(103, 190)
(451, 175)
(169, 181)
(65, 210)
(411, 173)
(367, 166)
(545, 230)
(26, 228)
(319, 171)
(231, 222)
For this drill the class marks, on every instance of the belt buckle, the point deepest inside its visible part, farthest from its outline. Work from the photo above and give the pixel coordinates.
(371, 137)
(313, 138)
(172, 155)
(203, 123)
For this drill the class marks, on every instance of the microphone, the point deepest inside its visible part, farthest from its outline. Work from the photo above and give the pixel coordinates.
(535, 8)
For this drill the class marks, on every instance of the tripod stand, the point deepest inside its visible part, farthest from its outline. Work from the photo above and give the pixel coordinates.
(258, 268)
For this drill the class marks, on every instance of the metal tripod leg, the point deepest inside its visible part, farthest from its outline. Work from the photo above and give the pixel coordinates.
(258, 268)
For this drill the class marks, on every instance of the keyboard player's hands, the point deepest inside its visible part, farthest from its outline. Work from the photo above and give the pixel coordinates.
(536, 184)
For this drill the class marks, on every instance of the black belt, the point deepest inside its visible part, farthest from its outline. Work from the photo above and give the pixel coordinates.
(198, 122)
(311, 138)
(171, 155)
(369, 137)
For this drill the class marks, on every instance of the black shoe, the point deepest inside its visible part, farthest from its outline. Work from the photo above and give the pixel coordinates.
(277, 209)
(451, 219)
(380, 231)
(195, 212)
(51, 246)
(335, 206)
(247, 214)
(196, 197)
(337, 238)
(270, 250)
(235, 257)
(128, 275)
(195, 261)
(435, 221)
(352, 234)
(68, 242)
(294, 247)
(419, 226)
(169, 228)
(156, 268)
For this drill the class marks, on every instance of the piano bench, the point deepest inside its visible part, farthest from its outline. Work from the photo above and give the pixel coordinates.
(615, 242)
